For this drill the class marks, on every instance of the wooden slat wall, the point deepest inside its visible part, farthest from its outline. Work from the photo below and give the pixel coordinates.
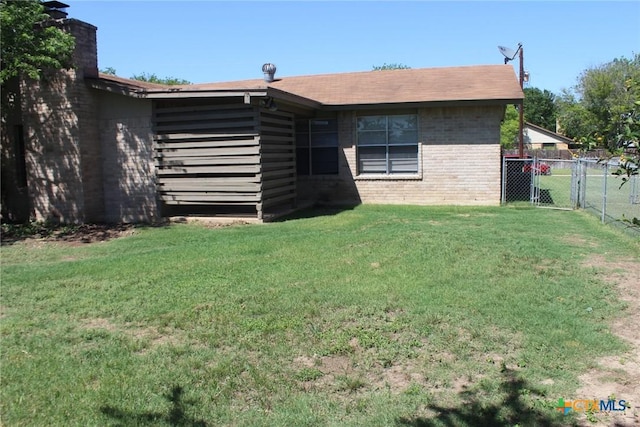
(208, 154)
(278, 155)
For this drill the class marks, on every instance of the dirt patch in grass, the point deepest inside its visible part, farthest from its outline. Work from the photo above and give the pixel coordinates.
(574, 240)
(323, 371)
(215, 222)
(150, 336)
(618, 377)
(351, 373)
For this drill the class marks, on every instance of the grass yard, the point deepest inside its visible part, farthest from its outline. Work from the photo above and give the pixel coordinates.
(376, 316)
(556, 189)
(621, 202)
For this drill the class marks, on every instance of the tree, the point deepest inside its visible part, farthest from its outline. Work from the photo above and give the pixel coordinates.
(624, 141)
(152, 78)
(540, 108)
(604, 112)
(603, 94)
(29, 46)
(394, 66)
(509, 128)
(605, 90)
(109, 70)
(574, 119)
(623, 137)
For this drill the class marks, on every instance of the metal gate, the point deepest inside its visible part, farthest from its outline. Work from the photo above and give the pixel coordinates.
(549, 183)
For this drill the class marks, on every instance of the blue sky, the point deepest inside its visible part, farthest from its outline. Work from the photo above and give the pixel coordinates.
(211, 41)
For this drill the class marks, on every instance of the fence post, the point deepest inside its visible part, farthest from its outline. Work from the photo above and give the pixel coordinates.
(575, 184)
(634, 194)
(503, 196)
(604, 191)
(532, 187)
(583, 184)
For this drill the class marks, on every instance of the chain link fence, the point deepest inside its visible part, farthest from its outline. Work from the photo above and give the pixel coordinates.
(541, 182)
(571, 184)
(602, 192)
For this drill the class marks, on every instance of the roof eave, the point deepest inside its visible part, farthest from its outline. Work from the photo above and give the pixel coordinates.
(423, 104)
(169, 92)
(293, 98)
(181, 93)
(113, 87)
(550, 133)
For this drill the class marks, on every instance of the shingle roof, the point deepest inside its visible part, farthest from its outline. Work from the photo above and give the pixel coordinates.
(470, 83)
(135, 84)
(549, 133)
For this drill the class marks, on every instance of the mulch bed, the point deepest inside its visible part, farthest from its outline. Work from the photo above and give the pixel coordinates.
(85, 233)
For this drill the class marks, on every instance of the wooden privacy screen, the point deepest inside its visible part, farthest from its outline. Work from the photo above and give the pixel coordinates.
(224, 155)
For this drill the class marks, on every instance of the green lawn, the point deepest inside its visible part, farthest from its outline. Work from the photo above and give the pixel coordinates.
(376, 316)
(556, 189)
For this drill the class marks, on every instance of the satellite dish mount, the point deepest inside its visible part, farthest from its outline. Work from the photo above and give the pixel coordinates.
(509, 55)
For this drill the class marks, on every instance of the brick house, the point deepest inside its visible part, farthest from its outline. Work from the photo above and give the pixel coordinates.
(95, 147)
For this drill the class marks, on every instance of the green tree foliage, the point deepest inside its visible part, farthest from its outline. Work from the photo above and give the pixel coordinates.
(152, 78)
(603, 94)
(540, 108)
(509, 128)
(575, 120)
(623, 137)
(393, 66)
(625, 141)
(28, 46)
(109, 70)
(604, 112)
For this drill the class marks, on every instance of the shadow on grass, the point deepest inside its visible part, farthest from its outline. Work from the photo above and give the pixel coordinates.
(176, 416)
(473, 409)
(545, 196)
(315, 212)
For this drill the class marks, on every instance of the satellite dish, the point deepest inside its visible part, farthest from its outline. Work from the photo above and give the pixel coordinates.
(508, 53)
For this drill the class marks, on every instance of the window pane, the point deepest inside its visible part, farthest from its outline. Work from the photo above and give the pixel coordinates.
(372, 138)
(372, 123)
(372, 160)
(324, 125)
(403, 159)
(403, 129)
(324, 139)
(324, 161)
(405, 122)
(302, 161)
(403, 137)
(302, 139)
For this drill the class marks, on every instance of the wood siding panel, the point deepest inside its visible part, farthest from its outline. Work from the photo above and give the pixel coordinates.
(208, 155)
(225, 155)
(278, 156)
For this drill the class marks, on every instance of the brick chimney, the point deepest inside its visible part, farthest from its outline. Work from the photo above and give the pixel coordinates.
(60, 116)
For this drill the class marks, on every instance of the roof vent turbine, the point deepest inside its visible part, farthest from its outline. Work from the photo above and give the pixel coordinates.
(269, 71)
